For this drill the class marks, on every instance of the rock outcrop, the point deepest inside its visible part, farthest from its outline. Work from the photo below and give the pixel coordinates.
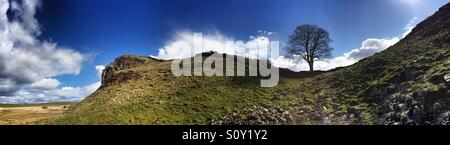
(123, 63)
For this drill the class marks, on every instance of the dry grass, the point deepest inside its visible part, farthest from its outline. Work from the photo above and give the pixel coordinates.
(27, 114)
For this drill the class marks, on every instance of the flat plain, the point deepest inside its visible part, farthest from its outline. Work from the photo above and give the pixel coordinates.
(23, 114)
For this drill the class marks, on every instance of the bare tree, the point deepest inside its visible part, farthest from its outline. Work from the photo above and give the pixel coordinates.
(311, 43)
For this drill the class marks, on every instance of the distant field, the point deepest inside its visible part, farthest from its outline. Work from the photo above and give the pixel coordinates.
(19, 114)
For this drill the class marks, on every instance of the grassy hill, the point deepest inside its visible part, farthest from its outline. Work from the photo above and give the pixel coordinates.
(405, 84)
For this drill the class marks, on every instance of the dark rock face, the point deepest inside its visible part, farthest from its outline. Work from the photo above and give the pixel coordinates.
(417, 108)
(382, 93)
(107, 73)
(398, 104)
(121, 63)
(411, 74)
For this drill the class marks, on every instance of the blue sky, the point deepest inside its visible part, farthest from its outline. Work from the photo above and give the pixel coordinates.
(106, 29)
(111, 28)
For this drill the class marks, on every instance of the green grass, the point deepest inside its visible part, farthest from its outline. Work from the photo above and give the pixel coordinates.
(154, 96)
(144, 91)
(157, 97)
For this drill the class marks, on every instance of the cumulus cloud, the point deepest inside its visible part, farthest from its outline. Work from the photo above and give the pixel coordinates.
(46, 84)
(183, 44)
(74, 92)
(28, 66)
(24, 59)
(47, 90)
(374, 45)
(65, 94)
(369, 47)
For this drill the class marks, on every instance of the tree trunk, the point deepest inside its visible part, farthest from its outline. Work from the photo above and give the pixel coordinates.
(311, 66)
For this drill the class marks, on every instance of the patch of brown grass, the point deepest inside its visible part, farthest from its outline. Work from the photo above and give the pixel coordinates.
(28, 115)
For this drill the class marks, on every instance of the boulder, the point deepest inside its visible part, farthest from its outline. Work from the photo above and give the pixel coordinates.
(121, 63)
(437, 79)
(411, 74)
(447, 79)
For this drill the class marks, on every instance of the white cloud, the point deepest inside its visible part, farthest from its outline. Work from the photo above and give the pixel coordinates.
(64, 94)
(45, 91)
(183, 43)
(74, 92)
(24, 59)
(99, 69)
(369, 47)
(28, 65)
(301, 65)
(46, 84)
(374, 45)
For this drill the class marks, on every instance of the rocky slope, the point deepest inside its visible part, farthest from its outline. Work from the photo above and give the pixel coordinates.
(406, 84)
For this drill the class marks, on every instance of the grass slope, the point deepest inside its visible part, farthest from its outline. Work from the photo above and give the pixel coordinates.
(408, 75)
